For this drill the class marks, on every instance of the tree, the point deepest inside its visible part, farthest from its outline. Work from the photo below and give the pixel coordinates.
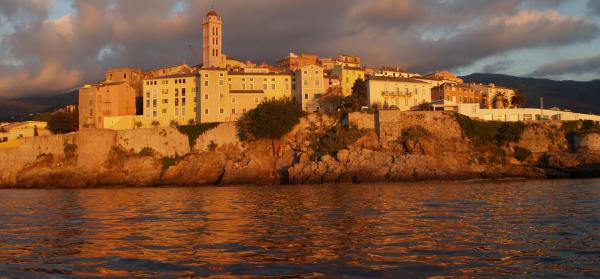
(271, 119)
(63, 122)
(501, 97)
(518, 100)
(358, 99)
(331, 100)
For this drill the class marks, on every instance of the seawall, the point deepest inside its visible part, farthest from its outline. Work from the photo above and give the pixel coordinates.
(388, 146)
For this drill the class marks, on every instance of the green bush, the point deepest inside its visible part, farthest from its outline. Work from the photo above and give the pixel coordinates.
(334, 139)
(521, 153)
(168, 162)
(69, 149)
(415, 133)
(64, 122)
(486, 132)
(147, 152)
(271, 119)
(212, 146)
(194, 131)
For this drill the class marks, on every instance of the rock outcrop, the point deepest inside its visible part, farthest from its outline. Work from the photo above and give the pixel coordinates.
(399, 146)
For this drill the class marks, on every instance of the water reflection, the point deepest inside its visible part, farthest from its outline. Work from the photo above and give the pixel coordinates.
(523, 228)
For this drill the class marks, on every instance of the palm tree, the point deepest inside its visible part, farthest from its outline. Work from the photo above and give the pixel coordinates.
(518, 100)
(501, 97)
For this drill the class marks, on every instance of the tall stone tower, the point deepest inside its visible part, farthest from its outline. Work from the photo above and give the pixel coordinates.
(212, 30)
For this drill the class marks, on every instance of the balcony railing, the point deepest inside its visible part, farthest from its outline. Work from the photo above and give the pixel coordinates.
(396, 94)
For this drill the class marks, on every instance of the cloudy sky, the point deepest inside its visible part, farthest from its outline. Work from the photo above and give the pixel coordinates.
(52, 45)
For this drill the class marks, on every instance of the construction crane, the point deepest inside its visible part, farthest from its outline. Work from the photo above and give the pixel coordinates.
(195, 54)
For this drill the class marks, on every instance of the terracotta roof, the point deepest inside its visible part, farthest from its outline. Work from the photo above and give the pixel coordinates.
(212, 13)
(398, 79)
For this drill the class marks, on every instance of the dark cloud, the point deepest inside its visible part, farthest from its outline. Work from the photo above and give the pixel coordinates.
(497, 67)
(48, 55)
(594, 7)
(585, 65)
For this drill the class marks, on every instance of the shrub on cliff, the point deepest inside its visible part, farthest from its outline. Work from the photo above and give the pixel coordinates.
(489, 132)
(270, 119)
(335, 139)
(521, 153)
(194, 131)
(63, 122)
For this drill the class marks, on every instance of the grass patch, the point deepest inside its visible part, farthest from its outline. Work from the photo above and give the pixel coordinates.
(522, 154)
(486, 132)
(194, 131)
(335, 139)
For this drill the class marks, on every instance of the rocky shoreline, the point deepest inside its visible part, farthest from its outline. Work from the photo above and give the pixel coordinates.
(387, 146)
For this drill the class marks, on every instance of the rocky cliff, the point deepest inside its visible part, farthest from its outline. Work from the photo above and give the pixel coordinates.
(388, 146)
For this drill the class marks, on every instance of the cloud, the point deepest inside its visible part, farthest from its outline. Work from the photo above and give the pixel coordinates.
(584, 65)
(497, 67)
(594, 7)
(43, 55)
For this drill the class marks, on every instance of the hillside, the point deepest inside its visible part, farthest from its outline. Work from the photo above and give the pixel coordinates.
(579, 96)
(21, 108)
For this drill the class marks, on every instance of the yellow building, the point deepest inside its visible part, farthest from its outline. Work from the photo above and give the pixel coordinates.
(170, 100)
(348, 76)
(10, 132)
(397, 93)
(309, 87)
(119, 94)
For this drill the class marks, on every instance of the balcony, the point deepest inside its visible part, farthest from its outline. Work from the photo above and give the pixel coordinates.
(396, 94)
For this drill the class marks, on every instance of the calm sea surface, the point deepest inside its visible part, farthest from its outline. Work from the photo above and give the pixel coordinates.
(468, 229)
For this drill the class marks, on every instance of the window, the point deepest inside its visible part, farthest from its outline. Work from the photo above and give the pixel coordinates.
(182, 111)
(265, 87)
(243, 86)
(256, 100)
(154, 103)
(183, 80)
(147, 103)
(176, 102)
(243, 110)
(221, 74)
(164, 111)
(221, 82)
(287, 87)
(316, 72)
(317, 96)
(317, 82)
(147, 94)
(124, 75)
(205, 111)
(182, 92)
(165, 101)
(221, 110)
(183, 101)
(233, 111)
(222, 96)
(305, 82)
(273, 86)
(233, 100)
(206, 83)
(206, 75)
(176, 92)
(154, 113)
(176, 111)
(176, 81)
(306, 72)
(305, 96)
(206, 96)
(251, 86)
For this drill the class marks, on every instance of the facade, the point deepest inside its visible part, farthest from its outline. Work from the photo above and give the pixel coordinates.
(170, 100)
(397, 93)
(457, 93)
(212, 39)
(348, 76)
(385, 71)
(309, 87)
(19, 130)
(495, 96)
(294, 61)
(119, 94)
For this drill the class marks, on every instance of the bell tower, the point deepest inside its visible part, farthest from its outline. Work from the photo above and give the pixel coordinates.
(212, 30)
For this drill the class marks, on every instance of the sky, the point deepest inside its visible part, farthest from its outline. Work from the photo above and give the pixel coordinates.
(49, 46)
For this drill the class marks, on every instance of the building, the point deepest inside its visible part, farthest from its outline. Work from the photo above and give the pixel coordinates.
(458, 93)
(294, 61)
(309, 87)
(348, 76)
(118, 95)
(351, 61)
(385, 71)
(170, 100)
(397, 93)
(10, 132)
(514, 114)
(497, 97)
(444, 75)
(212, 39)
